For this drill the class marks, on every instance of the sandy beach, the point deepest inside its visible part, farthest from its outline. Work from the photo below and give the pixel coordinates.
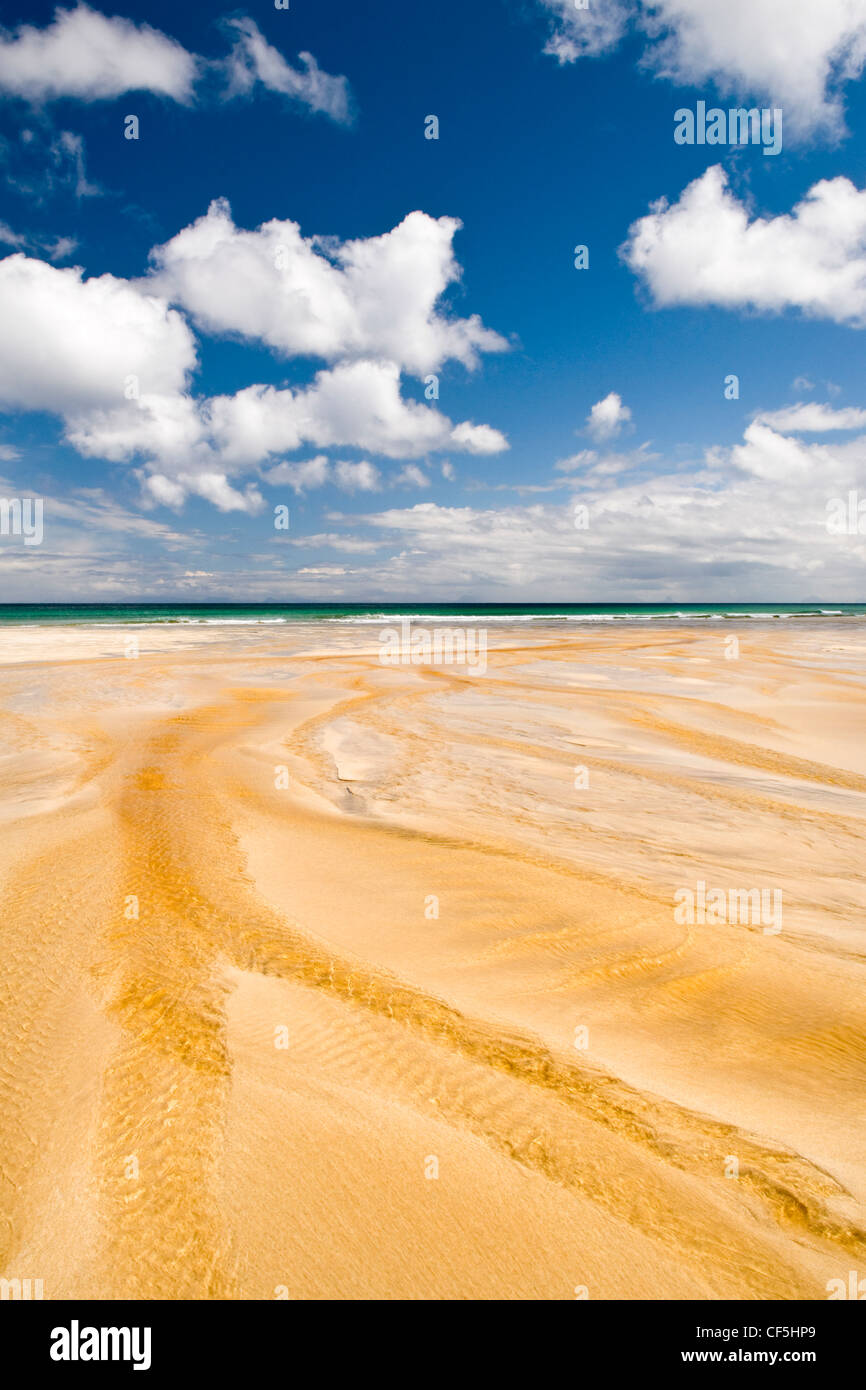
(322, 979)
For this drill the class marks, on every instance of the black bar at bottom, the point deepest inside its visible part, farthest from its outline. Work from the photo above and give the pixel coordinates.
(72, 1338)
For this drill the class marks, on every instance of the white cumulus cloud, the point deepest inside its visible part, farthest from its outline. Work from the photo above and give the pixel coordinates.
(89, 56)
(607, 417)
(69, 344)
(301, 476)
(794, 54)
(411, 475)
(357, 477)
(85, 55)
(354, 403)
(705, 249)
(115, 361)
(321, 297)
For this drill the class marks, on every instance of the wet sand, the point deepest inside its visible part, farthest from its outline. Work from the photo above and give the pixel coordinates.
(321, 979)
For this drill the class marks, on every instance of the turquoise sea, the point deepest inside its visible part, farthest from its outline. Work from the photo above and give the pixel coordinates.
(478, 613)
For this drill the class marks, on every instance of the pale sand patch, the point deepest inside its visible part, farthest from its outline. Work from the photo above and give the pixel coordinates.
(254, 828)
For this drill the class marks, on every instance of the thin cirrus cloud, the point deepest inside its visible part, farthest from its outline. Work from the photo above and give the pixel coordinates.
(42, 163)
(123, 357)
(586, 33)
(795, 54)
(589, 463)
(760, 510)
(253, 60)
(85, 55)
(705, 249)
(335, 540)
(810, 417)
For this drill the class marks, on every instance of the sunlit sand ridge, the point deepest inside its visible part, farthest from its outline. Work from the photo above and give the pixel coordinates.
(324, 979)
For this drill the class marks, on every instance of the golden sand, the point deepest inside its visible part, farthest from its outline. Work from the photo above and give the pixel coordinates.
(326, 980)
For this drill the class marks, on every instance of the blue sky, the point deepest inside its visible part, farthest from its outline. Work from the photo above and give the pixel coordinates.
(277, 350)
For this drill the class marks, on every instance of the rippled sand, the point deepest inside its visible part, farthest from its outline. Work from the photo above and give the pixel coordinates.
(326, 980)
